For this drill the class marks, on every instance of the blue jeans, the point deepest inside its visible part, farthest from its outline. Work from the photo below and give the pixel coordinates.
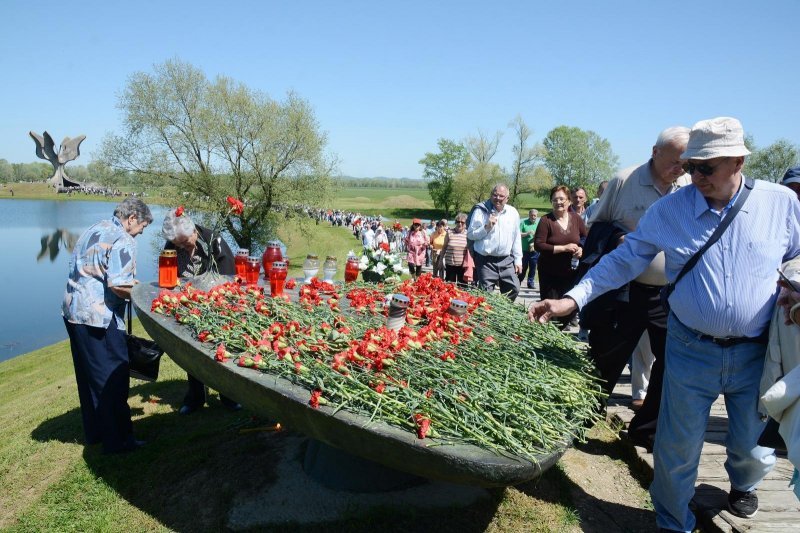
(529, 260)
(696, 373)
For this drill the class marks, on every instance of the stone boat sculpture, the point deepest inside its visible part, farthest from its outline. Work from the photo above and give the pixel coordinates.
(374, 441)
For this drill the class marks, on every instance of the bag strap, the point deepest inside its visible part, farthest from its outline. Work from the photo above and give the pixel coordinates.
(130, 315)
(745, 192)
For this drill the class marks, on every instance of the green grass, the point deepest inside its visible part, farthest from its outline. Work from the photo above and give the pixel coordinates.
(191, 472)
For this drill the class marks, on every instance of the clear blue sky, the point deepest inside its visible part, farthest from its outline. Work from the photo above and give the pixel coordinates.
(387, 79)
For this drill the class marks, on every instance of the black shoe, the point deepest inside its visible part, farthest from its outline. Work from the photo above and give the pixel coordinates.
(743, 504)
(130, 446)
(643, 438)
(186, 409)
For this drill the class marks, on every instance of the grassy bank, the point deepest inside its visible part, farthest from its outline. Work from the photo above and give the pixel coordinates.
(193, 470)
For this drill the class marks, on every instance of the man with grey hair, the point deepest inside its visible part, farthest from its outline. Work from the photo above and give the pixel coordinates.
(623, 204)
(494, 232)
(719, 312)
(101, 275)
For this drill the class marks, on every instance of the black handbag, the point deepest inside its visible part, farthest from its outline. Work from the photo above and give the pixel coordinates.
(667, 289)
(770, 438)
(144, 355)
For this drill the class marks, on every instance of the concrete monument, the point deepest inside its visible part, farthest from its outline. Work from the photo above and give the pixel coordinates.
(68, 151)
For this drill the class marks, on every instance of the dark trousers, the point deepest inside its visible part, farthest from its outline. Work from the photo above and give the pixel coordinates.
(414, 270)
(529, 260)
(100, 358)
(555, 287)
(612, 346)
(491, 271)
(455, 274)
(197, 394)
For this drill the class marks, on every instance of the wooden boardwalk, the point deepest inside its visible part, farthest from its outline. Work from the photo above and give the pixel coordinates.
(779, 508)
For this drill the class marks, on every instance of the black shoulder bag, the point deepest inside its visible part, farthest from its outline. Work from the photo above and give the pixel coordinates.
(667, 289)
(144, 355)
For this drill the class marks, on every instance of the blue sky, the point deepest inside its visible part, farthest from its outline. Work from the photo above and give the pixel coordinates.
(387, 79)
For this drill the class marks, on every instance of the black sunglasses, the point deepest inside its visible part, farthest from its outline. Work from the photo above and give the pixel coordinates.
(702, 168)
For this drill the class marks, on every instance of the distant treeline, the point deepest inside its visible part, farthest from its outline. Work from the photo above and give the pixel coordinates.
(95, 173)
(381, 183)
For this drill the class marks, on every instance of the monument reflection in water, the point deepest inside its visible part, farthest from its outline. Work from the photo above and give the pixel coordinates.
(37, 237)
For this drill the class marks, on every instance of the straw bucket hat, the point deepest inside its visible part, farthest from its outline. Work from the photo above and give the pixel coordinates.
(716, 137)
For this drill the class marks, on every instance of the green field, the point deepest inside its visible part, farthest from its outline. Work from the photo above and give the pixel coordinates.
(403, 204)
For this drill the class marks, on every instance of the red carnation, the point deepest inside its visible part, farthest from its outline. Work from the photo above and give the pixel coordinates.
(314, 401)
(179, 211)
(291, 284)
(221, 354)
(237, 207)
(423, 425)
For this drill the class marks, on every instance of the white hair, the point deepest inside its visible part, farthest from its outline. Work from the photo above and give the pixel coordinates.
(175, 227)
(676, 135)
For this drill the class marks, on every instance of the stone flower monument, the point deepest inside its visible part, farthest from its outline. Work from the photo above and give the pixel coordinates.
(68, 151)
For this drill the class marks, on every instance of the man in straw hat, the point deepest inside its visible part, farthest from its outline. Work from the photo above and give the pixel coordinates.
(720, 311)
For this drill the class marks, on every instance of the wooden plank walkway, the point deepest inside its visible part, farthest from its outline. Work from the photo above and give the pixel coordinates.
(779, 508)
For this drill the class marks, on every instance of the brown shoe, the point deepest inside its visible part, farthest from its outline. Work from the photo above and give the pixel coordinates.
(636, 404)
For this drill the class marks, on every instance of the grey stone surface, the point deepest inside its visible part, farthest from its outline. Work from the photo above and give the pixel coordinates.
(295, 498)
(280, 400)
(68, 151)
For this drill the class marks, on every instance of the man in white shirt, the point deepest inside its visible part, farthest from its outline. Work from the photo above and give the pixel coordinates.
(494, 232)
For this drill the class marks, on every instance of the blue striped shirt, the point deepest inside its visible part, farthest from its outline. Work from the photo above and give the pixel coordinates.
(731, 291)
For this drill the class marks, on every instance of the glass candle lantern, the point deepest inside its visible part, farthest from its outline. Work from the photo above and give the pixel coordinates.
(271, 254)
(329, 269)
(351, 269)
(240, 262)
(252, 270)
(310, 267)
(168, 269)
(277, 278)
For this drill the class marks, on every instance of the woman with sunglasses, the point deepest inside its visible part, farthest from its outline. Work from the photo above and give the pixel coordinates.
(454, 253)
(557, 240)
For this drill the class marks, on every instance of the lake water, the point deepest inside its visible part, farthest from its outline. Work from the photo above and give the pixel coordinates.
(35, 239)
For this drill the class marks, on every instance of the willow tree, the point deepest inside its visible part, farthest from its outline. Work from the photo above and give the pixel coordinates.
(214, 139)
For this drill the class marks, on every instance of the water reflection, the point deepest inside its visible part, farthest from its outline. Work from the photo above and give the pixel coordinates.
(52, 244)
(37, 238)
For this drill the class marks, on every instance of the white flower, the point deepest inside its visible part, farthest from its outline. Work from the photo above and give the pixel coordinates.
(379, 268)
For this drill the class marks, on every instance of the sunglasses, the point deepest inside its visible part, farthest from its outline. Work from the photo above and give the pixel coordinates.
(702, 168)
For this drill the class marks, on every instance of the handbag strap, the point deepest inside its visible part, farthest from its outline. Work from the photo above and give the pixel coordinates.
(129, 312)
(737, 205)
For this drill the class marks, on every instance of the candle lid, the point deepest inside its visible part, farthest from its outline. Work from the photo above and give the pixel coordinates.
(330, 258)
(399, 300)
(273, 244)
(279, 264)
(458, 306)
(312, 256)
(254, 258)
(243, 251)
(169, 253)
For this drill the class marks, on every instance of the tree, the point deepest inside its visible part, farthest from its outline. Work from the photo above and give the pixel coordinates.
(578, 158)
(772, 162)
(214, 140)
(527, 158)
(6, 171)
(441, 169)
(474, 184)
